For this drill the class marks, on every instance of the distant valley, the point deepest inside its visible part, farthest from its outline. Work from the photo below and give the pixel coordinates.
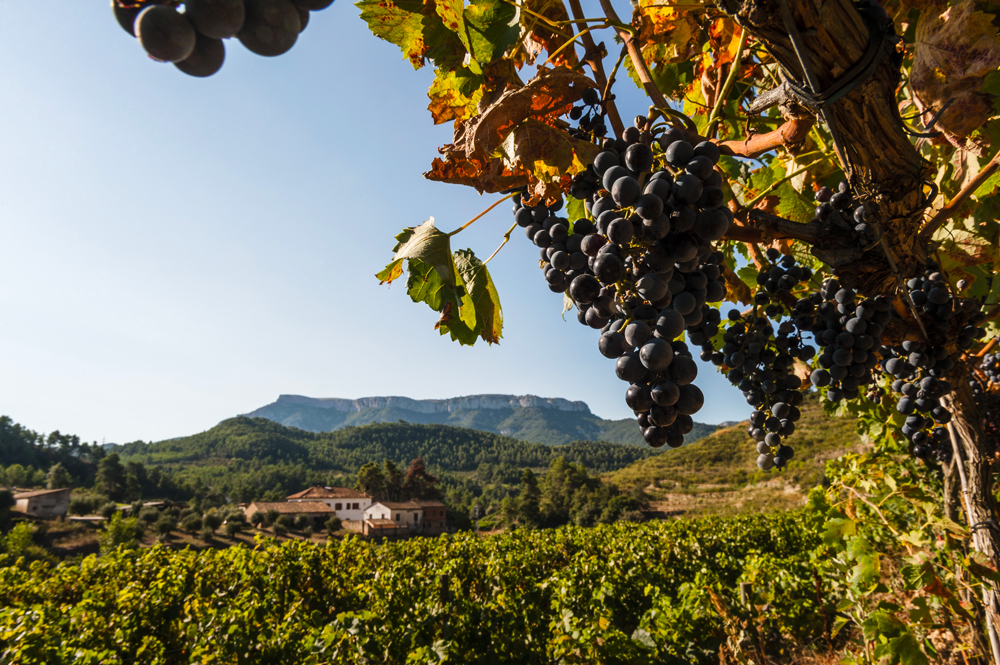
(552, 421)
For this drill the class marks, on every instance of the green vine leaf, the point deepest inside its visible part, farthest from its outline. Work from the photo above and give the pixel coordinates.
(458, 285)
(485, 316)
(416, 29)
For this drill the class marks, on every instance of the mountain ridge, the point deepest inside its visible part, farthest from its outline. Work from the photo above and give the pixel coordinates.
(485, 401)
(549, 420)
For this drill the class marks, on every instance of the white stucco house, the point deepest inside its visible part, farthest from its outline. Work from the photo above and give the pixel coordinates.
(401, 512)
(347, 503)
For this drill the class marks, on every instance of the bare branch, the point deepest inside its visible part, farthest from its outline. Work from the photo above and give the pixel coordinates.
(759, 226)
(793, 131)
(635, 54)
(593, 59)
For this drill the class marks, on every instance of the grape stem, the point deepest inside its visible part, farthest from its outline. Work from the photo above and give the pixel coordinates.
(592, 56)
(506, 237)
(713, 119)
(469, 223)
(949, 210)
(878, 511)
(905, 292)
(611, 77)
(580, 35)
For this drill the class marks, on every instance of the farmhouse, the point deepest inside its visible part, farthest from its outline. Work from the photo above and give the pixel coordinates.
(43, 503)
(317, 511)
(349, 504)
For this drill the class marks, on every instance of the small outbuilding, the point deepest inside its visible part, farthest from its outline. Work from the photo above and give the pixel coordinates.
(43, 503)
(435, 517)
(401, 512)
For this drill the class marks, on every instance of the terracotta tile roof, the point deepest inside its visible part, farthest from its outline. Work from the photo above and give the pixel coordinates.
(387, 524)
(29, 495)
(429, 503)
(320, 492)
(292, 508)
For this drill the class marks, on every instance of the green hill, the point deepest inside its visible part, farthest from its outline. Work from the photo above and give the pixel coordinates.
(528, 418)
(718, 474)
(346, 450)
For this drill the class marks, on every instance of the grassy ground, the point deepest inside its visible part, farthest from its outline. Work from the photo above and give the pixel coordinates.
(719, 475)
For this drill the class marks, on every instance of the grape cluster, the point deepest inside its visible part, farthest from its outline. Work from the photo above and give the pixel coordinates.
(837, 207)
(645, 271)
(917, 369)
(990, 367)
(943, 315)
(559, 241)
(850, 333)
(590, 117)
(760, 360)
(192, 39)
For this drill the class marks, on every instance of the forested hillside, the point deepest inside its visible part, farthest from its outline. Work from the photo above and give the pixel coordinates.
(537, 424)
(246, 457)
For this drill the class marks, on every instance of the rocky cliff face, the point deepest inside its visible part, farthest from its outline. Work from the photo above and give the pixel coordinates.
(431, 406)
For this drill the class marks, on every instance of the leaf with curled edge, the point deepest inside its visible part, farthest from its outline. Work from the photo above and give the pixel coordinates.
(550, 94)
(487, 176)
(545, 151)
(954, 51)
(472, 158)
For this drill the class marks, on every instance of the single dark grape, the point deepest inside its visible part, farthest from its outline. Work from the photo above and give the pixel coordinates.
(165, 34)
(271, 27)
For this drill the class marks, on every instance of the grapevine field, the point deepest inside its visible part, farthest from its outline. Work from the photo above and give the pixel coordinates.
(657, 592)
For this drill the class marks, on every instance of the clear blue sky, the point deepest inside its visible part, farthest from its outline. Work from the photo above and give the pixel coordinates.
(179, 250)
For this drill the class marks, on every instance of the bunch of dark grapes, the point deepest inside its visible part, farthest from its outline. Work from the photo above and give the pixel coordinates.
(590, 117)
(990, 367)
(986, 391)
(837, 207)
(761, 360)
(945, 316)
(850, 333)
(649, 267)
(559, 241)
(192, 38)
(919, 367)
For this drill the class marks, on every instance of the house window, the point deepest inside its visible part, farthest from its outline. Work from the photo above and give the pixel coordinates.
(355, 506)
(397, 517)
(338, 506)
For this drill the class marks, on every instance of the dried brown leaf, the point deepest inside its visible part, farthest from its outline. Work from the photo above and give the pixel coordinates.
(955, 49)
